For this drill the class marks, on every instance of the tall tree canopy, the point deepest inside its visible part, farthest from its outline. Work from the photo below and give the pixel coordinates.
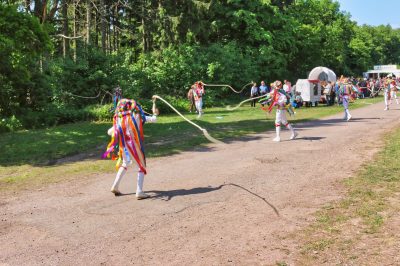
(53, 51)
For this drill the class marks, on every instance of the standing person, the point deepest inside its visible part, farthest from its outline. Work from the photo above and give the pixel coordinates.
(346, 91)
(279, 99)
(338, 93)
(285, 86)
(198, 97)
(263, 88)
(386, 93)
(253, 94)
(332, 96)
(190, 96)
(127, 136)
(393, 91)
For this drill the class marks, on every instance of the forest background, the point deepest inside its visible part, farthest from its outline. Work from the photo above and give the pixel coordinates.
(60, 60)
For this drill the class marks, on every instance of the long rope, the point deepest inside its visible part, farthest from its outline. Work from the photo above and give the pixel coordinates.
(241, 103)
(226, 85)
(205, 133)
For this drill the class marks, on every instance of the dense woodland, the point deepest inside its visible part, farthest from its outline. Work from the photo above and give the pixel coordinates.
(61, 59)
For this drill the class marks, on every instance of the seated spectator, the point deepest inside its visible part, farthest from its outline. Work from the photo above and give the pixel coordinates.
(298, 101)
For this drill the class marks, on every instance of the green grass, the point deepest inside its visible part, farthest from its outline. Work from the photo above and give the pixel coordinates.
(169, 135)
(367, 201)
(39, 148)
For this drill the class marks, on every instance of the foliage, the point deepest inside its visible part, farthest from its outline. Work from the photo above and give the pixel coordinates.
(22, 44)
(161, 47)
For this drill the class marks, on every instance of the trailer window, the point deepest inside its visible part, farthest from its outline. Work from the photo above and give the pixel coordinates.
(315, 89)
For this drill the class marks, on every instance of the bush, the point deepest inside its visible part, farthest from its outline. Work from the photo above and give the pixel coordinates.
(10, 124)
(99, 112)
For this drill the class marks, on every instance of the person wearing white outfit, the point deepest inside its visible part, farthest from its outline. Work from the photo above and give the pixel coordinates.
(279, 99)
(393, 92)
(346, 99)
(198, 97)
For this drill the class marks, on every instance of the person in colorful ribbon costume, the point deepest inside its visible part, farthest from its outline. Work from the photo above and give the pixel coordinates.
(278, 97)
(126, 144)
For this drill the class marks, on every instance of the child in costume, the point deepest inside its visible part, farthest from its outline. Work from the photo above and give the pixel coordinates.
(127, 142)
(198, 97)
(278, 98)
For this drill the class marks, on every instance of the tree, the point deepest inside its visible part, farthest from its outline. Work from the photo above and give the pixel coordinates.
(22, 43)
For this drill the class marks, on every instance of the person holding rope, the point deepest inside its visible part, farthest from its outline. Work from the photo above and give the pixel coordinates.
(280, 100)
(127, 142)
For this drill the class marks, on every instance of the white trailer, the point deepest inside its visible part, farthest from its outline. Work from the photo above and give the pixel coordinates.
(310, 91)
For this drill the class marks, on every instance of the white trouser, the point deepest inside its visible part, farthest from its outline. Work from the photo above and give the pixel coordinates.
(386, 94)
(281, 119)
(346, 100)
(121, 172)
(393, 95)
(199, 105)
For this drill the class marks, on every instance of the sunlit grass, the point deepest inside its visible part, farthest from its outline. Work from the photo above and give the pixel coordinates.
(29, 154)
(367, 201)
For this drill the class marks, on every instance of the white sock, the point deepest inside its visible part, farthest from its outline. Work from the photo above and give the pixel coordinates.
(289, 126)
(140, 179)
(120, 174)
(278, 131)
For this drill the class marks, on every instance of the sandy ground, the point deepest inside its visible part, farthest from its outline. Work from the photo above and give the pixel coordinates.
(224, 204)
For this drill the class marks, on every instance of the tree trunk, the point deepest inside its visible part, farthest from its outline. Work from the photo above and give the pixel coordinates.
(103, 25)
(88, 18)
(96, 28)
(144, 27)
(65, 28)
(74, 29)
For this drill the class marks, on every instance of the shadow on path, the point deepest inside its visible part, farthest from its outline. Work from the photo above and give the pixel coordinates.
(169, 194)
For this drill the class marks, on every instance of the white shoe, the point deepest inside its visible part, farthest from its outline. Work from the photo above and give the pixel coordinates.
(386, 108)
(277, 139)
(115, 191)
(294, 135)
(141, 195)
(349, 117)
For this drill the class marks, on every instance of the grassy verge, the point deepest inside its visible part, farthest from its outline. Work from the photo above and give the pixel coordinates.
(30, 154)
(358, 230)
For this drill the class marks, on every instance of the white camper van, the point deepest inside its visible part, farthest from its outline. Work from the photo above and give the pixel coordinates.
(310, 91)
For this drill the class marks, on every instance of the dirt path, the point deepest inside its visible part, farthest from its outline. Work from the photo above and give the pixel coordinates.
(233, 204)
